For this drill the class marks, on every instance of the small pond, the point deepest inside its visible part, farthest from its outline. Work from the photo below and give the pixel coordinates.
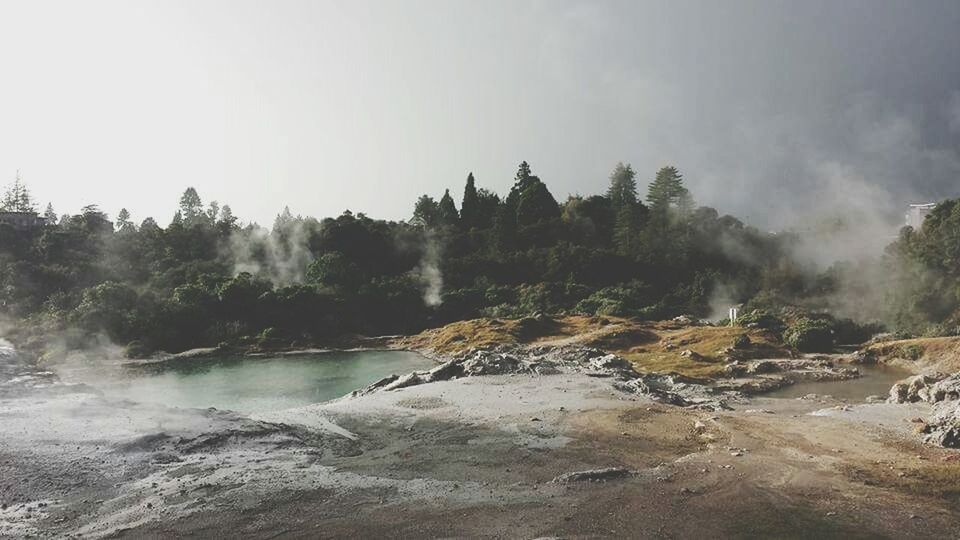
(875, 380)
(250, 385)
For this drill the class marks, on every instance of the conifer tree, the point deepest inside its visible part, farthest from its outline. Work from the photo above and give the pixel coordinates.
(50, 215)
(623, 186)
(469, 207)
(447, 210)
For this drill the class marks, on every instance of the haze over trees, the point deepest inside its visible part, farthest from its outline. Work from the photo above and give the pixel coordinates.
(207, 279)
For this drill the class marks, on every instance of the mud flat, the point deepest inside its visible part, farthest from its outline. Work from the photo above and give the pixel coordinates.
(533, 443)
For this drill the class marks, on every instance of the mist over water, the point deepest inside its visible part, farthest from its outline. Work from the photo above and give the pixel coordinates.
(250, 385)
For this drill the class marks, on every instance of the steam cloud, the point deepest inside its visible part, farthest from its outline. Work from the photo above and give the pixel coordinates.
(429, 269)
(281, 256)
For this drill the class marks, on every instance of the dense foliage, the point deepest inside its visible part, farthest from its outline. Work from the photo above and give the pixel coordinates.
(206, 279)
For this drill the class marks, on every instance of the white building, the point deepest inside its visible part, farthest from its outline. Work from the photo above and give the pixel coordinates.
(917, 213)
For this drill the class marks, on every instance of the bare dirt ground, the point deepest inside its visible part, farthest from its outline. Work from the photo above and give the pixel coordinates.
(474, 457)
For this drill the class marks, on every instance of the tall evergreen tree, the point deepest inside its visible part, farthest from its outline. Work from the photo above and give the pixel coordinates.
(530, 200)
(469, 207)
(226, 216)
(667, 191)
(191, 207)
(447, 210)
(17, 198)
(50, 215)
(623, 186)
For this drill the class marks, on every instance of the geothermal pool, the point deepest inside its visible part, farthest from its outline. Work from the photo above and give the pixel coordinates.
(874, 380)
(249, 385)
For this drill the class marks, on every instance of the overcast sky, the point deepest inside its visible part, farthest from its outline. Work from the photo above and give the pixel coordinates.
(772, 110)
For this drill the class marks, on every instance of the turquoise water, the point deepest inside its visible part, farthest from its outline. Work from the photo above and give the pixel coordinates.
(250, 385)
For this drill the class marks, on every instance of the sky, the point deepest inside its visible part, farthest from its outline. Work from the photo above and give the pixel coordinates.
(774, 111)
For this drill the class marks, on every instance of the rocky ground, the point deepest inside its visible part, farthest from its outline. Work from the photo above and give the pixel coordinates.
(522, 441)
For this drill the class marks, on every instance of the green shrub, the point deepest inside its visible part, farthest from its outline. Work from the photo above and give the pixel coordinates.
(910, 352)
(810, 335)
(759, 318)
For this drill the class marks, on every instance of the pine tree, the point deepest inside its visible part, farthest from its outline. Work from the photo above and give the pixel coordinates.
(226, 216)
(623, 186)
(667, 192)
(49, 215)
(17, 198)
(123, 220)
(191, 207)
(447, 210)
(213, 211)
(283, 221)
(530, 200)
(469, 207)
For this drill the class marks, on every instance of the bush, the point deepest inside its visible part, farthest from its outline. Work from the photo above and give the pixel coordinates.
(810, 335)
(759, 318)
(910, 352)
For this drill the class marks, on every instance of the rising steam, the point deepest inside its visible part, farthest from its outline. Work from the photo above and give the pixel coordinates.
(429, 269)
(280, 256)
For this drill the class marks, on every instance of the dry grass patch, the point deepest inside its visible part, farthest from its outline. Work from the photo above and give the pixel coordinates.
(708, 342)
(650, 346)
(939, 353)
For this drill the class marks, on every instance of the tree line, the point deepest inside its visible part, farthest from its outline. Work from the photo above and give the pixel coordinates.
(207, 279)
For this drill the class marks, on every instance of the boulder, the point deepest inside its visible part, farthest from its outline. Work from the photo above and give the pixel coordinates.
(763, 366)
(915, 389)
(693, 355)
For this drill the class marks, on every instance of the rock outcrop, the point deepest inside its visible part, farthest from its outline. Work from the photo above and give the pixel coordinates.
(943, 391)
(929, 388)
(505, 360)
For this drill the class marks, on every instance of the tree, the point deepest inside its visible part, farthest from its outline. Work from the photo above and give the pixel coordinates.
(123, 220)
(191, 207)
(17, 198)
(487, 204)
(149, 225)
(623, 186)
(50, 215)
(504, 229)
(625, 230)
(447, 210)
(283, 220)
(227, 222)
(667, 192)
(469, 207)
(530, 199)
(213, 211)
(426, 210)
(226, 215)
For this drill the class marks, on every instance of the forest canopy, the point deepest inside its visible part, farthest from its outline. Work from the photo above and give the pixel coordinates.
(207, 278)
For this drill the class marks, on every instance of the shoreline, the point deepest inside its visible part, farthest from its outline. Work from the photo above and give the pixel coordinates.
(554, 437)
(539, 439)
